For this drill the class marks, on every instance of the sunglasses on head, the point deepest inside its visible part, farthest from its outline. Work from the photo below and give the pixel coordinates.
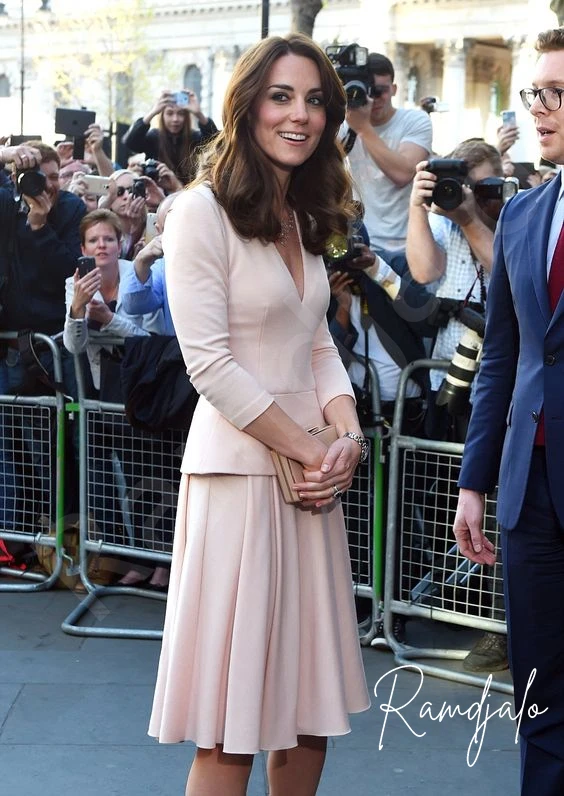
(122, 189)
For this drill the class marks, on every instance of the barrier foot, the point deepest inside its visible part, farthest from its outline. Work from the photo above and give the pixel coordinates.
(70, 624)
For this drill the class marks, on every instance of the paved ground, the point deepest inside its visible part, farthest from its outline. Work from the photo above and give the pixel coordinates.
(73, 716)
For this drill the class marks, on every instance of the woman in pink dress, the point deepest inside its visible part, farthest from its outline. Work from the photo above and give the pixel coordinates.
(260, 647)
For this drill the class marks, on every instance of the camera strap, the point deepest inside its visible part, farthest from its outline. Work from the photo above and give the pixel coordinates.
(482, 280)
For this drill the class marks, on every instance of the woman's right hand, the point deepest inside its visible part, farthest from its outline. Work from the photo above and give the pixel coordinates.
(84, 289)
(166, 97)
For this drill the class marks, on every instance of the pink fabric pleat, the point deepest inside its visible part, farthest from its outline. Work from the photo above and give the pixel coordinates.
(260, 641)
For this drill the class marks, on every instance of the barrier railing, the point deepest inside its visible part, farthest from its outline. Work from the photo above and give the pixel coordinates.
(426, 576)
(363, 509)
(32, 456)
(128, 492)
(121, 472)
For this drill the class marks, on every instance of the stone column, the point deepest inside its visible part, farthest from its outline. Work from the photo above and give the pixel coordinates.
(454, 86)
(399, 56)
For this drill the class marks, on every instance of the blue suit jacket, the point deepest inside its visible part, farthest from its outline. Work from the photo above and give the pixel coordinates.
(523, 363)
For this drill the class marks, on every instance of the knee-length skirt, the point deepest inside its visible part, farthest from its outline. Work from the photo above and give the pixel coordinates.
(260, 640)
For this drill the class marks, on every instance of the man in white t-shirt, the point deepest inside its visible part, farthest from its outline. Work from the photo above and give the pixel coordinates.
(387, 144)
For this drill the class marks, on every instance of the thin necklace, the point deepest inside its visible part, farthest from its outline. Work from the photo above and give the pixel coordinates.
(287, 226)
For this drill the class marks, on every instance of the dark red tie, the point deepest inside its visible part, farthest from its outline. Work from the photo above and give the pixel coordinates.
(555, 288)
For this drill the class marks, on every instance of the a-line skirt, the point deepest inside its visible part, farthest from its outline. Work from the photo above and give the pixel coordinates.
(260, 639)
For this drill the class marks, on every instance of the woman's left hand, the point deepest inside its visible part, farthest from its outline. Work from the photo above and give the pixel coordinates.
(193, 104)
(99, 311)
(322, 487)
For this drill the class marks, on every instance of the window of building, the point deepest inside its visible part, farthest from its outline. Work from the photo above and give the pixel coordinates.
(193, 80)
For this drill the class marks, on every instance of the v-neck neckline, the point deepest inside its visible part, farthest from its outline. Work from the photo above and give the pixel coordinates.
(302, 258)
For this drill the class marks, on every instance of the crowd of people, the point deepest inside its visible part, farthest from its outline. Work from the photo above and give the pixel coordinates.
(267, 191)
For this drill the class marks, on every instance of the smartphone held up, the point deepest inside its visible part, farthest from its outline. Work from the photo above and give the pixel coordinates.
(85, 265)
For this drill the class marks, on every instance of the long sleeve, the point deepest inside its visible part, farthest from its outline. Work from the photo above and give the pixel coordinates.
(197, 275)
(139, 297)
(59, 240)
(331, 378)
(142, 138)
(75, 331)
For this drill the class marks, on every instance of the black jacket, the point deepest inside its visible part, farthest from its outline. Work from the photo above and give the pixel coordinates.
(142, 138)
(34, 265)
(157, 391)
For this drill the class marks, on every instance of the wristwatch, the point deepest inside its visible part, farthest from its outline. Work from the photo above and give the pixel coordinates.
(362, 441)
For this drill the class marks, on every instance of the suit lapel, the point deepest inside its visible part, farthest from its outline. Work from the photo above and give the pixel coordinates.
(538, 229)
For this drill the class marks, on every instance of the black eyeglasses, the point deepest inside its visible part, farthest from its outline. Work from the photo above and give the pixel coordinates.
(550, 96)
(122, 189)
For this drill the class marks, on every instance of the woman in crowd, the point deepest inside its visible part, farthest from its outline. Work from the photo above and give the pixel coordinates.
(260, 647)
(130, 209)
(95, 311)
(174, 142)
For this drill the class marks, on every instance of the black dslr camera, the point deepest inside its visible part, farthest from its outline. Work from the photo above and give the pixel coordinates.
(31, 182)
(351, 64)
(451, 174)
(150, 168)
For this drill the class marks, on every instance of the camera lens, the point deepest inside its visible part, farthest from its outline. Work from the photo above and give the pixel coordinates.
(32, 183)
(448, 193)
(357, 95)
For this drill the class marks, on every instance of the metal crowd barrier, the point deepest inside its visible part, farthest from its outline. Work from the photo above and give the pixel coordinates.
(128, 493)
(121, 472)
(425, 574)
(32, 456)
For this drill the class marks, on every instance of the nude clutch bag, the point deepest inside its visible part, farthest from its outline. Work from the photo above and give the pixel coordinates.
(289, 471)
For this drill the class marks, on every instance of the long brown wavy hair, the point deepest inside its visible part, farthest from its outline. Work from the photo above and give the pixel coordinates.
(185, 168)
(241, 175)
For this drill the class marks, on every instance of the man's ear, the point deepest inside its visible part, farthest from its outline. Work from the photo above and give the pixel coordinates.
(394, 89)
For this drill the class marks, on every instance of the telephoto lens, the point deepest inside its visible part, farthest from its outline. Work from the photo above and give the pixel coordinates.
(457, 384)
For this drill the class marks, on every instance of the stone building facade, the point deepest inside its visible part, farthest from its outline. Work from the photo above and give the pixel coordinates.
(473, 56)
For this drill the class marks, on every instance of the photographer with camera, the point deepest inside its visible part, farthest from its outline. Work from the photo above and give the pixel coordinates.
(39, 241)
(454, 208)
(384, 145)
(174, 142)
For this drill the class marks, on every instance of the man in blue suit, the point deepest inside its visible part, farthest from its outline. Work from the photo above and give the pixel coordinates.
(516, 437)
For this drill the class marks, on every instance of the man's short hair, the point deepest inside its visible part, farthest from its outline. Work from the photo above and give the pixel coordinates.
(380, 65)
(48, 153)
(476, 151)
(550, 40)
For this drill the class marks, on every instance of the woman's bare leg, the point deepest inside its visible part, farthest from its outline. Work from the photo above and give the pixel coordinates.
(215, 773)
(297, 771)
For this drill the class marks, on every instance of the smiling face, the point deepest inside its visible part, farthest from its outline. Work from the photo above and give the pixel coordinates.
(50, 169)
(549, 71)
(289, 114)
(101, 242)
